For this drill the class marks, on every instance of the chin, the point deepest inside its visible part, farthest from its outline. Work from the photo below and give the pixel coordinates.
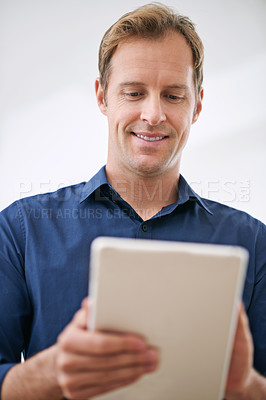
(148, 169)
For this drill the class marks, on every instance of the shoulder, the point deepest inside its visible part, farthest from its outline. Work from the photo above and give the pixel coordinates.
(236, 227)
(228, 225)
(68, 194)
(40, 206)
(225, 214)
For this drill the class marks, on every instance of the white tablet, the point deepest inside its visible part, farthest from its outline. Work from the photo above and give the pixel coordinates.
(183, 298)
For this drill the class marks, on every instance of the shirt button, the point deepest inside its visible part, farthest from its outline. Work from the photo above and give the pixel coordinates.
(144, 228)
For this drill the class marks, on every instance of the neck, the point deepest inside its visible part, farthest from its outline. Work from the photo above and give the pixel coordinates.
(146, 194)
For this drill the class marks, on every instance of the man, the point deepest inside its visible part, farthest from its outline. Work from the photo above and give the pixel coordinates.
(150, 89)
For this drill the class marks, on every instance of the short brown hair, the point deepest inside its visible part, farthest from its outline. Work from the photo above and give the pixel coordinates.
(150, 21)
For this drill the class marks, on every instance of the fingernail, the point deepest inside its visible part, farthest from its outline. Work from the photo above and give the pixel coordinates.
(139, 345)
(151, 367)
(152, 355)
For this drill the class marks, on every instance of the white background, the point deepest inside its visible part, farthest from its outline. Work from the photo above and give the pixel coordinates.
(53, 135)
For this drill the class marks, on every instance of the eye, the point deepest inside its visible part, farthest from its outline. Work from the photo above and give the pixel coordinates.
(133, 94)
(174, 97)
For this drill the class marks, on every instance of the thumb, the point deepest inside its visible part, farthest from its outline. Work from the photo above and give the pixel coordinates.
(86, 307)
(81, 317)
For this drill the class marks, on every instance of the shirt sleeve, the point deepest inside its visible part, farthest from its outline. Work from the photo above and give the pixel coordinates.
(257, 309)
(15, 310)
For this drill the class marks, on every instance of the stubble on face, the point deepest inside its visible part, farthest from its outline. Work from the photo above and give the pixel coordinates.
(128, 151)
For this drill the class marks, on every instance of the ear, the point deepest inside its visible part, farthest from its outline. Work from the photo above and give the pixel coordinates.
(100, 97)
(198, 106)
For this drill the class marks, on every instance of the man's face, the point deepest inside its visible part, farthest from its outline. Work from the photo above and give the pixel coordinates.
(150, 104)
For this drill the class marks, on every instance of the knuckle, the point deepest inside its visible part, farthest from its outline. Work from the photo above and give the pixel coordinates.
(68, 387)
(102, 345)
(106, 376)
(64, 341)
(64, 364)
(107, 362)
(63, 382)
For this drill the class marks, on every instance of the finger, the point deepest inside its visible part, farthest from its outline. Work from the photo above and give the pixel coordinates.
(81, 341)
(87, 393)
(86, 302)
(108, 377)
(80, 319)
(244, 322)
(108, 388)
(243, 330)
(115, 343)
(100, 342)
(100, 380)
(70, 363)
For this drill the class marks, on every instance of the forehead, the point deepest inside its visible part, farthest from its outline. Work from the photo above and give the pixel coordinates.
(169, 57)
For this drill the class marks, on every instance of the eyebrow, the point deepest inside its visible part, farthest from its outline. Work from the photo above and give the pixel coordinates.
(177, 86)
(137, 83)
(131, 83)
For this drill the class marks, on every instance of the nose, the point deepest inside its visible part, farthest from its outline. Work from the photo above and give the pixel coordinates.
(152, 111)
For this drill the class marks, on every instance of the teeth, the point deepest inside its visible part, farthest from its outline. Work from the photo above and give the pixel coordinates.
(150, 139)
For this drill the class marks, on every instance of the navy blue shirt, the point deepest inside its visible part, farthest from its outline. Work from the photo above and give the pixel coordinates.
(45, 252)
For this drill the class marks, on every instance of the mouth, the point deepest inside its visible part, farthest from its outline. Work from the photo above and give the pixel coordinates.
(150, 138)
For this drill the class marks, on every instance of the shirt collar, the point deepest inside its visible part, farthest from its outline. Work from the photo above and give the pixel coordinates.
(94, 183)
(185, 192)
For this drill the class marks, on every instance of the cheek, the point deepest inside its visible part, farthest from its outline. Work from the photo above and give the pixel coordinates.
(182, 118)
(121, 117)
(177, 122)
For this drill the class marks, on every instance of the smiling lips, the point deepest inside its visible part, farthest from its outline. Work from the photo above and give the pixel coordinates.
(149, 138)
